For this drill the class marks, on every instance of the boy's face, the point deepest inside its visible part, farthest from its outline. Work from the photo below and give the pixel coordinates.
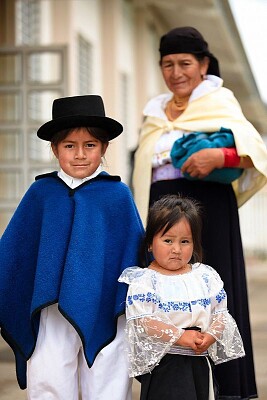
(79, 154)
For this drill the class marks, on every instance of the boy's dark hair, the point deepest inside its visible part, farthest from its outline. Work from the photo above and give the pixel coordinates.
(98, 133)
(166, 212)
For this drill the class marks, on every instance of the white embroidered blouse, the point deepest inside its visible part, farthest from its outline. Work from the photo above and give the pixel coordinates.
(159, 307)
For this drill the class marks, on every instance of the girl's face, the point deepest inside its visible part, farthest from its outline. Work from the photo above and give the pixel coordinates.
(183, 72)
(79, 154)
(173, 250)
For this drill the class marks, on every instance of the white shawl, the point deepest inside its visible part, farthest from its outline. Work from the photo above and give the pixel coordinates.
(207, 113)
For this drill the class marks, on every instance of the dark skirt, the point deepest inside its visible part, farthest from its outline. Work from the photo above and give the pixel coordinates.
(177, 377)
(223, 251)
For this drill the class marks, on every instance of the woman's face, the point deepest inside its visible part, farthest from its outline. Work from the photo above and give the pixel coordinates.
(79, 154)
(183, 72)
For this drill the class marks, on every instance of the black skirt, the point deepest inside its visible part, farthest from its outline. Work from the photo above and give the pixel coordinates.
(177, 377)
(223, 251)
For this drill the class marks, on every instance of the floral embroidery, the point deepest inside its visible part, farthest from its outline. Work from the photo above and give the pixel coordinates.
(221, 296)
(149, 297)
(202, 302)
(170, 305)
(154, 281)
(205, 277)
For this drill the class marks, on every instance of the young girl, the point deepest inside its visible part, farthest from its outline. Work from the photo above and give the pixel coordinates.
(72, 235)
(177, 317)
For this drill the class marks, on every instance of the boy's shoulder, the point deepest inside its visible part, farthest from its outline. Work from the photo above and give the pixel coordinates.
(104, 180)
(103, 176)
(107, 178)
(46, 175)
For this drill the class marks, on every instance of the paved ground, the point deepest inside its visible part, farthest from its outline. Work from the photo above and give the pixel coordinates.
(257, 285)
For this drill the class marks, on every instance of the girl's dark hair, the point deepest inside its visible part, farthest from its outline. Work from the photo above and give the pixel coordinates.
(98, 133)
(166, 212)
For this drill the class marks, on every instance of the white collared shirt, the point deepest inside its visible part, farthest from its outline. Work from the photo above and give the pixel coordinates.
(74, 182)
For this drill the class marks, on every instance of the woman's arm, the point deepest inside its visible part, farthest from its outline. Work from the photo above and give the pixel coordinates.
(232, 159)
(203, 162)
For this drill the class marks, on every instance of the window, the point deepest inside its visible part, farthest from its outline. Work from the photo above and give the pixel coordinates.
(27, 22)
(32, 78)
(85, 66)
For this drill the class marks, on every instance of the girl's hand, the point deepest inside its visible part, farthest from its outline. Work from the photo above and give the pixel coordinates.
(201, 163)
(190, 338)
(207, 341)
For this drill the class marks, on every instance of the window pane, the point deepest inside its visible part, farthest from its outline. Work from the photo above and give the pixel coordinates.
(44, 67)
(39, 171)
(10, 69)
(40, 105)
(27, 17)
(10, 107)
(39, 150)
(85, 66)
(5, 217)
(11, 146)
(10, 185)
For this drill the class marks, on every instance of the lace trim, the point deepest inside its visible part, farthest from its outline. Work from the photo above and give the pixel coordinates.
(229, 344)
(149, 339)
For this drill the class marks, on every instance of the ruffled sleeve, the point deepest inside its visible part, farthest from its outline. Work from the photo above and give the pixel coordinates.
(229, 344)
(150, 334)
(223, 328)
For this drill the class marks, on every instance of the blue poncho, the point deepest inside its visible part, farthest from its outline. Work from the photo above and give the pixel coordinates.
(67, 246)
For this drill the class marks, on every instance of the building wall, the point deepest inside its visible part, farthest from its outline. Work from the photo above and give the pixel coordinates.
(122, 39)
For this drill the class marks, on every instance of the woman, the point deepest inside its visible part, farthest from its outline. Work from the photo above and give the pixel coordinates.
(199, 103)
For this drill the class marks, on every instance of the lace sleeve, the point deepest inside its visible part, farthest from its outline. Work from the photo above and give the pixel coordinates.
(229, 344)
(149, 338)
(223, 328)
(150, 333)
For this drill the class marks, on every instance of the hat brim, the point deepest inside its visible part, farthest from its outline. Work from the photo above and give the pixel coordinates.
(50, 128)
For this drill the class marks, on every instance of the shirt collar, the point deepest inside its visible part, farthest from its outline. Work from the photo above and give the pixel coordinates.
(74, 182)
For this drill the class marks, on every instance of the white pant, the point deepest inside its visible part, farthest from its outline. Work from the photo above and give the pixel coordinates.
(58, 365)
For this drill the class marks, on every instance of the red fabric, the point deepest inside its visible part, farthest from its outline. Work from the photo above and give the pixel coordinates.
(231, 158)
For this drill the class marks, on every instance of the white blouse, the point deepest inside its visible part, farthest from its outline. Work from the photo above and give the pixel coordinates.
(161, 160)
(159, 307)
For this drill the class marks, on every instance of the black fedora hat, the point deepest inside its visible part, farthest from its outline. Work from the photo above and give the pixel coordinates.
(79, 111)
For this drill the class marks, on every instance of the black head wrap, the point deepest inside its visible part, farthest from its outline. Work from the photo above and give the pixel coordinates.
(188, 40)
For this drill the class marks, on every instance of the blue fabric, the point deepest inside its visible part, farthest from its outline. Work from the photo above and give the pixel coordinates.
(67, 246)
(195, 141)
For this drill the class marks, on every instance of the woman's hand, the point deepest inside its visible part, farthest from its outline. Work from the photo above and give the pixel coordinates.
(190, 338)
(201, 163)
